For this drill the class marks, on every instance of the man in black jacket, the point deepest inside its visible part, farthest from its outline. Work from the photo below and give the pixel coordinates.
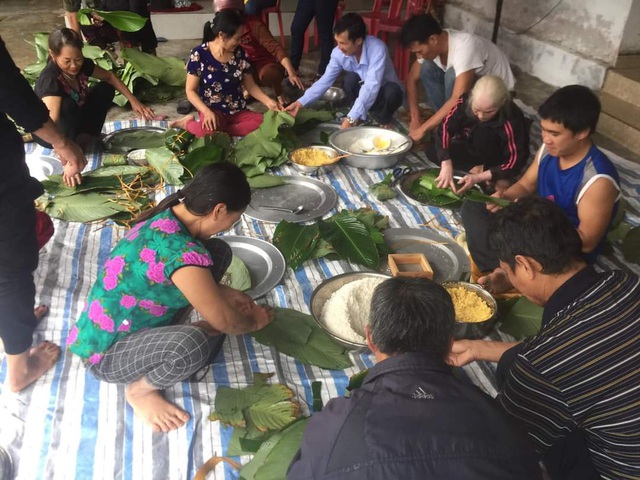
(18, 242)
(412, 419)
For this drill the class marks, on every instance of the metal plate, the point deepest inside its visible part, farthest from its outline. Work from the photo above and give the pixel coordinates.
(41, 166)
(108, 139)
(6, 465)
(317, 198)
(265, 262)
(408, 179)
(448, 260)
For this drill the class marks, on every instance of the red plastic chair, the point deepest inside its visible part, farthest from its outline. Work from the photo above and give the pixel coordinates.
(265, 19)
(316, 36)
(393, 24)
(372, 18)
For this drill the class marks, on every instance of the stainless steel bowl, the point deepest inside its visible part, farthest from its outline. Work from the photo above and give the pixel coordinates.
(323, 293)
(332, 95)
(350, 140)
(138, 157)
(332, 152)
(473, 330)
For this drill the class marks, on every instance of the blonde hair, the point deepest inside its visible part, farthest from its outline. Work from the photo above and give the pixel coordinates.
(491, 88)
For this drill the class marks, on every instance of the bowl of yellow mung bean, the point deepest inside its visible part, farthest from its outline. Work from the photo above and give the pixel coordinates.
(309, 159)
(476, 309)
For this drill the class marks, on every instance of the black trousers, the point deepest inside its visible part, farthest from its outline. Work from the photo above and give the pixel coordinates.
(483, 147)
(18, 260)
(475, 219)
(324, 11)
(88, 118)
(567, 459)
(387, 102)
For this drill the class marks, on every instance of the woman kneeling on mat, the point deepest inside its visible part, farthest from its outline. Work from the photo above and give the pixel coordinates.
(126, 334)
(77, 109)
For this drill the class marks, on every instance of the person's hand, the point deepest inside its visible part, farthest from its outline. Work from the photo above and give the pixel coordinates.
(295, 79)
(271, 104)
(142, 110)
(294, 108)
(73, 161)
(416, 133)
(468, 181)
(445, 177)
(262, 316)
(414, 124)
(346, 123)
(238, 299)
(210, 122)
(462, 353)
(492, 207)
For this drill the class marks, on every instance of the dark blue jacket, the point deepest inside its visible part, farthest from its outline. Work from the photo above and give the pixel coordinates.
(412, 419)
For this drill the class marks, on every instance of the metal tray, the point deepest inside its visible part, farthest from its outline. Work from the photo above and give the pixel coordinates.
(108, 139)
(41, 166)
(265, 262)
(448, 260)
(406, 181)
(317, 198)
(6, 465)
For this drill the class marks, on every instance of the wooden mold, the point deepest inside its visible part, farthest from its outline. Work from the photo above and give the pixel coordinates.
(410, 265)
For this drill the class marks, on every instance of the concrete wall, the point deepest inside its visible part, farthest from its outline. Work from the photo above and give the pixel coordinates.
(631, 37)
(576, 43)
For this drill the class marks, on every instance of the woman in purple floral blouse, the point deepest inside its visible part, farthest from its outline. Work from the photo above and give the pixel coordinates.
(216, 72)
(127, 334)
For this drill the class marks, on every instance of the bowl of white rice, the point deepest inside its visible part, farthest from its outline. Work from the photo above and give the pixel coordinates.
(341, 306)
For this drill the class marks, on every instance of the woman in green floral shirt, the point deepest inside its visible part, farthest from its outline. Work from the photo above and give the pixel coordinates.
(125, 334)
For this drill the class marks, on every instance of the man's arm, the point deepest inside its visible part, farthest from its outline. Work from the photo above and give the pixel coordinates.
(322, 85)
(461, 86)
(594, 212)
(463, 352)
(411, 85)
(534, 400)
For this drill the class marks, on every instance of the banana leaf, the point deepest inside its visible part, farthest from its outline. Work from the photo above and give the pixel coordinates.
(296, 242)
(200, 157)
(264, 406)
(631, 245)
(428, 196)
(117, 170)
(272, 460)
(298, 335)
(246, 441)
(178, 140)
(383, 190)
(168, 70)
(120, 20)
(88, 207)
(520, 317)
(476, 196)
(112, 159)
(265, 181)
(126, 140)
(237, 275)
(166, 164)
(316, 391)
(351, 239)
(356, 380)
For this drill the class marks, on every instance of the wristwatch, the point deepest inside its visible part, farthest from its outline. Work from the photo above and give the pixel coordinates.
(351, 120)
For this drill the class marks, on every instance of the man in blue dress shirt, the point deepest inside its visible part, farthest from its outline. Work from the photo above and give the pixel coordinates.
(371, 83)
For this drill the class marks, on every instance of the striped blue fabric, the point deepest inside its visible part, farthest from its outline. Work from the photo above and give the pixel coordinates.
(70, 426)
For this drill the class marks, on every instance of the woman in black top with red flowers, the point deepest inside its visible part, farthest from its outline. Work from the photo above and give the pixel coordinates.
(77, 109)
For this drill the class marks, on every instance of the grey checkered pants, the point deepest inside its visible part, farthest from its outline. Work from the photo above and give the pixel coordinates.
(164, 355)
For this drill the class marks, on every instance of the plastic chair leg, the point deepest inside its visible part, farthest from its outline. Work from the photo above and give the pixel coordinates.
(281, 27)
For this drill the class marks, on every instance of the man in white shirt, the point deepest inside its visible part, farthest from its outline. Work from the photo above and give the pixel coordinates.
(448, 62)
(371, 83)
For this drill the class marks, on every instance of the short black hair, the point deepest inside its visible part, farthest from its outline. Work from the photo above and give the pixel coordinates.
(411, 315)
(537, 228)
(574, 106)
(352, 23)
(418, 29)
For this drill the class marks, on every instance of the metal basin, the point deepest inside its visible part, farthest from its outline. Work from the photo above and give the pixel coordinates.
(473, 330)
(333, 96)
(323, 293)
(358, 140)
(309, 170)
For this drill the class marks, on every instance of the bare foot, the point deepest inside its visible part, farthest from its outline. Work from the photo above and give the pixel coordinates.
(149, 404)
(27, 367)
(496, 282)
(182, 123)
(40, 312)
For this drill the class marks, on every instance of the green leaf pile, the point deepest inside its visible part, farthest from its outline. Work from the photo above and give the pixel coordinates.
(237, 275)
(261, 406)
(272, 459)
(426, 190)
(354, 236)
(298, 335)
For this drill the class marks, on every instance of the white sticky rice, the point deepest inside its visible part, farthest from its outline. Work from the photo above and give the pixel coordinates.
(346, 313)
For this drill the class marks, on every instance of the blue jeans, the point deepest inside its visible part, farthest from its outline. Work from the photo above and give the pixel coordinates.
(437, 83)
(387, 102)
